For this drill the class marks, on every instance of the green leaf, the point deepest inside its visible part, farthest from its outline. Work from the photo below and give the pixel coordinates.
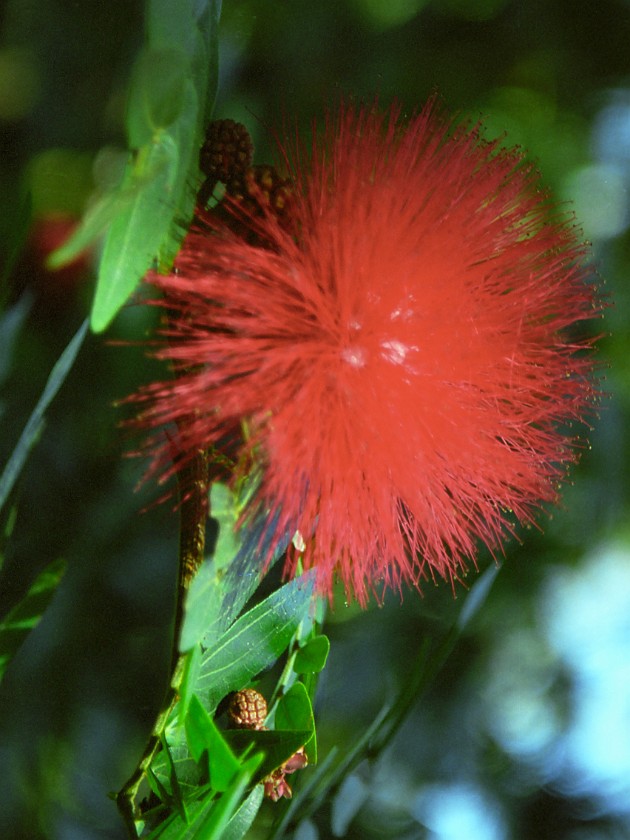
(167, 113)
(294, 711)
(35, 422)
(208, 817)
(276, 745)
(226, 581)
(133, 239)
(195, 30)
(94, 223)
(241, 822)
(162, 793)
(172, 92)
(224, 507)
(204, 737)
(172, 793)
(254, 642)
(204, 611)
(175, 769)
(203, 607)
(477, 596)
(19, 622)
(189, 678)
(155, 99)
(211, 824)
(311, 658)
(11, 323)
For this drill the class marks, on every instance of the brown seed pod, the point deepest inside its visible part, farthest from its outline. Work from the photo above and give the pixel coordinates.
(247, 709)
(260, 185)
(227, 151)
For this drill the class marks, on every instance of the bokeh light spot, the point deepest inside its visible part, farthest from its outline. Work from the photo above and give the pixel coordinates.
(458, 812)
(599, 196)
(585, 613)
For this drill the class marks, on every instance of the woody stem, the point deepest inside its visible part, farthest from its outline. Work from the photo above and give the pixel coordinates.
(193, 481)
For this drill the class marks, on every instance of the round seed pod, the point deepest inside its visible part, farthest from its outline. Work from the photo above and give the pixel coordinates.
(247, 709)
(227, 151)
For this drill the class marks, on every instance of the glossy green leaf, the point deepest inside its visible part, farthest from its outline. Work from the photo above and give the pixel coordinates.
(156, 178)
(238, 554)
(19, 622)
(208, 818)
(167, 115)
(212, 824)
(477, 596)
(175, 769)
(311, 658)
(172, 792)
(254, 642)
(204, 737)
(189, 678)
(194, 29)
(241, 822)
(35, 422)
(155, 99)
(171, 97)
(276, 746)
(93, 224)
(11, 323)
(227, 579)
(160, 791)
(224, 507)
(203, 607)
(205, 615)
(294, 711)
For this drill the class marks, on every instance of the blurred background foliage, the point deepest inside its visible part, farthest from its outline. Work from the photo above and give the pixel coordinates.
(526, 733)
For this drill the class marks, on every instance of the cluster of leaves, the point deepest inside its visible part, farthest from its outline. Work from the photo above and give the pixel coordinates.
(145, 212)
(142, 216)
(201, 774)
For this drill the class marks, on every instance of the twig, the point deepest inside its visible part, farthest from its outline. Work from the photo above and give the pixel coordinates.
(193, 481)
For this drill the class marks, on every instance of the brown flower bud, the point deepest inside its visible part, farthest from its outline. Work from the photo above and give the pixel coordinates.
(298, 761)
(275, 784)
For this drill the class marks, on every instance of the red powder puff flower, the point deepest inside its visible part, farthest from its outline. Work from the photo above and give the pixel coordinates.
(401, 356)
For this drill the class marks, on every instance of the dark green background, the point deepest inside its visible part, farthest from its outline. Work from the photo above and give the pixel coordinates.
(494, 740)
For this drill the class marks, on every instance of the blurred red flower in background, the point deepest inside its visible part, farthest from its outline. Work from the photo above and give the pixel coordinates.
(55, 290)
(403, 354)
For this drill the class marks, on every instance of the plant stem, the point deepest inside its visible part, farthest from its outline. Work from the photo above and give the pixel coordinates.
(193, 479)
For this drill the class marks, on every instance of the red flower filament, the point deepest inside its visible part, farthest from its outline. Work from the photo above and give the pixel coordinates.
(400, 354)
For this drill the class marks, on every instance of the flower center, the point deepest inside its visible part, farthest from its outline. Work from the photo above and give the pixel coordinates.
(354, 355)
